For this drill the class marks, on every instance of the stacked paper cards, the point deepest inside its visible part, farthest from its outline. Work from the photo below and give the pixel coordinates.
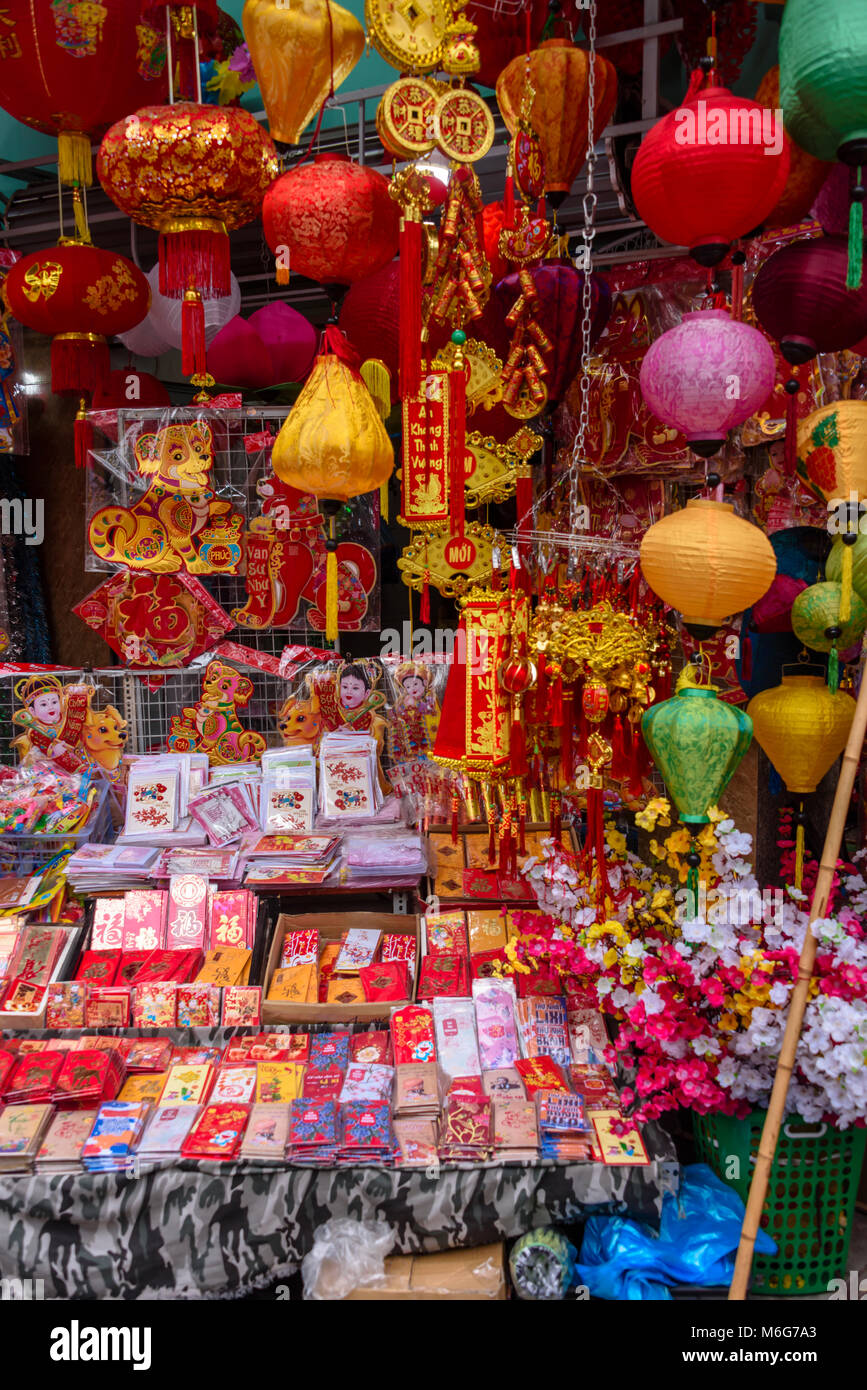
(367, 1136)
(516, 1131)
(416, 1143)
(165, 1131)
(288, 798)
(225, 811)
(313, 1137)
(267, 1133)
(291, 859)
(348, 776)
(416, 1091)
(217, 1132)
(22, 1129)
(496, 1027)
(542, 1024)
(367, 1081)
(106, 868)
(566, 1131)
(60, 1151)
(114, 1138)
(466, 1130)
(457, 1046)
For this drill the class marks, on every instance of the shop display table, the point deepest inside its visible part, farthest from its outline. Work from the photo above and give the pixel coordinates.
(223, 1230)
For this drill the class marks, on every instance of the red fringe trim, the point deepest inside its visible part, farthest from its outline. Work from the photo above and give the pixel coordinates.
(195, 260)
(83, 439)
(78, 366)
(194, 360)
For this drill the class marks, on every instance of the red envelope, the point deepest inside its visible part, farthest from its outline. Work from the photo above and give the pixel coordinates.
(389, 980)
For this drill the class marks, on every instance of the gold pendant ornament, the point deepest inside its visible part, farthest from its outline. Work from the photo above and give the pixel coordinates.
(452, 565)
(463, 125)
(405, 117)
(409, 34)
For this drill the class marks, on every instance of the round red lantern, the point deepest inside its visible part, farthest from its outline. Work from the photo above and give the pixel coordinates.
(493, 222)
(129, 389)
(71, 69)
(502, 32)
(193, 173)
(709, 172)
(334, 220)
(81, 295)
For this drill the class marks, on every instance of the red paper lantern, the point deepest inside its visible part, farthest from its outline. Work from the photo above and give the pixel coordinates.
(70, 70)
(81, 295)
(370, 318)
(129, 389)
(502, 33)
(334, 219)
(193, 173)
(692, 192)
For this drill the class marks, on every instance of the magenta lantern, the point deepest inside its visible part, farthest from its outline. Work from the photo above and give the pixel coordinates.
(800, 298)
(706, 376)
(559, 286)
(290, 340)
(238, 357)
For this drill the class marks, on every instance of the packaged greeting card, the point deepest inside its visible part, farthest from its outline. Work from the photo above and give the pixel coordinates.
(367, 1082)
(497, 1029)
(106, 1006)
(371, 1047)
(389, 980)
(165, 1131)
(300, 948)
(242, 1006)
(234, 1083)
(22, 1128)
(60, 1150)
(187, 1084)
(540, 1074)
(618, 1149)
(416, 1089)
(267, 1133)
(358, 949)
(446, 933)
(145, 1086)
(187, 911)
(416, 1142)
(233, 918)
(148, 1054)
(155, 1006)
(153, 791)
(295, 984)
(224, 812)
(457, 1047)
(198, 1006)
(279, 1082)
(108, 919)
(412, 1034)
(97, 967)
(487, 930)
(217, 1133)
(330, 1051)
(224, 967)
(312, 1132)
(144, 920)
(588, 1037)
(342, 989)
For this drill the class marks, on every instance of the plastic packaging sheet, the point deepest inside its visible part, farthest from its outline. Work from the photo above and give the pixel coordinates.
(346, 1255)
(698, 1236)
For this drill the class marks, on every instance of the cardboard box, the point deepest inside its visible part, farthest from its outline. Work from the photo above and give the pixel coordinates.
(470, 1275)
(331, 926)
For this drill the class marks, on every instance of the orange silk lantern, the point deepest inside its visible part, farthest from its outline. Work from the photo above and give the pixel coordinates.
(559, 114)
(806, 173)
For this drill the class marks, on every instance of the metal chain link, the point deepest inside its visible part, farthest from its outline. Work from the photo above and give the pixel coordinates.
(584, 262)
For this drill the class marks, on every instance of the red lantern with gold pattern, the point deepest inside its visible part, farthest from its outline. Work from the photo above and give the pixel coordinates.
(81, 295)
(594, 701)
(193, 173)
(70, 70)
(334, 220)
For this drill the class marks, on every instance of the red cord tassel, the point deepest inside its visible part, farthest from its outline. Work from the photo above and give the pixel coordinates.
(457, 450)
(194, 358)
(567, 733)
(199, 258)
(619, 760)
(556, 699)
(410, 307)
(492, 839)
(517, 744)
(83, 436)
(790, 457)
(737, 292)
(456, 807)
(583, 732)
(509, 202)
(79, 365)
(522, 827)
(424, 606)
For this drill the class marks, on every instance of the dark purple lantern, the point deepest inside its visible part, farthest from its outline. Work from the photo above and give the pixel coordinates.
(800, 299)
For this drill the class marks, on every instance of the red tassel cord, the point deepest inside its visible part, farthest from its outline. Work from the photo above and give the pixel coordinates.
(567, 734)
(194, 360)
(79, 364)
(555, 696)
(457, 447)
(540, 707)
(410, 306)
(620, 762)
(595, 843)
(424, 607)
(517, 744)
(83, 436)
(456, 808)
(199, 258)
(522, 825)
(509, 201)
(583, 733)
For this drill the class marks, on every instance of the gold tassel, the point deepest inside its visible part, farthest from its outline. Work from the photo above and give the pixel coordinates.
(331, 628)
(377, 379)
(846, 584)
(74, 163)
(799, 850)
(281, 270)
(80, 216)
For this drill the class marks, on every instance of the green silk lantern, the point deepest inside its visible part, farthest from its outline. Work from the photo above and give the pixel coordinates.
(823, 92)
(818, 622)
(834, 565)
(696, 741)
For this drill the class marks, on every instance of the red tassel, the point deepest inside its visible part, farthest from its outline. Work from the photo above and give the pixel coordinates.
(83, 436)
(410, 307)
(517, 745)
(79, 364)
(424, 607)
(194, 359)
(199, 258)
(619, 760)
(737, 292)
(583, 732)
(492, 839)
(456, 807)
(540, 709)
(457, 449)
(567, 732)
(556, 698)
(522, 827)
(509, 202)
(790, 458)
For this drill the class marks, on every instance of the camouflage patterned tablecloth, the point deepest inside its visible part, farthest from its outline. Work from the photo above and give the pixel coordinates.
(220, 1231)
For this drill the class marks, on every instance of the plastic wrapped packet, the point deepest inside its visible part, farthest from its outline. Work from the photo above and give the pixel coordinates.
(346, 1255)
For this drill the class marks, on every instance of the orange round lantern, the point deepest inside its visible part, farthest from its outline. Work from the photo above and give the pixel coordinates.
(81, 295)
(193, 173)
(806, 173)
(559, 75)
(71, 69)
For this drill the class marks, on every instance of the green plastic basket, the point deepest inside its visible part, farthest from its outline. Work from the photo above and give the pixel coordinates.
(811, 1195)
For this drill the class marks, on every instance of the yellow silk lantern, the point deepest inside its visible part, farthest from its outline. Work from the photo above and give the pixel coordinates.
(301, 50)
(802, 726)
(333, 444)
(707, 563)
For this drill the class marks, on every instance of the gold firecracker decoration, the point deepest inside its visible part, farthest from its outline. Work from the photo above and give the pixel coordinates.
(463, 276)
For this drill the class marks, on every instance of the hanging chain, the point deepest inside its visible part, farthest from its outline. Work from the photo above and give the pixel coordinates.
(584, 263)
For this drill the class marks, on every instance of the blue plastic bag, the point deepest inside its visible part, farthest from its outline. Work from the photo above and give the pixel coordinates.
(698, 1236)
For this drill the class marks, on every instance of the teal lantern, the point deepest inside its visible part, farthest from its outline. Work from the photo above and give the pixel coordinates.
(823, 92)
(696, 741)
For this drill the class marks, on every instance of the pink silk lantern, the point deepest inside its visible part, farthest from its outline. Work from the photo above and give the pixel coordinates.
(773, 612)
(706, 376)
(238, 357)
(289, 338)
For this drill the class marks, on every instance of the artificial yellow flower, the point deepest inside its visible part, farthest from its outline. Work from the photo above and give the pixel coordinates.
(727, 1023)
(656, 850)
(610, 958)
(616, 841)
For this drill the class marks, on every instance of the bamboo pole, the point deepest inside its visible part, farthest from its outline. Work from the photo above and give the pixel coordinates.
(795, 1020)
